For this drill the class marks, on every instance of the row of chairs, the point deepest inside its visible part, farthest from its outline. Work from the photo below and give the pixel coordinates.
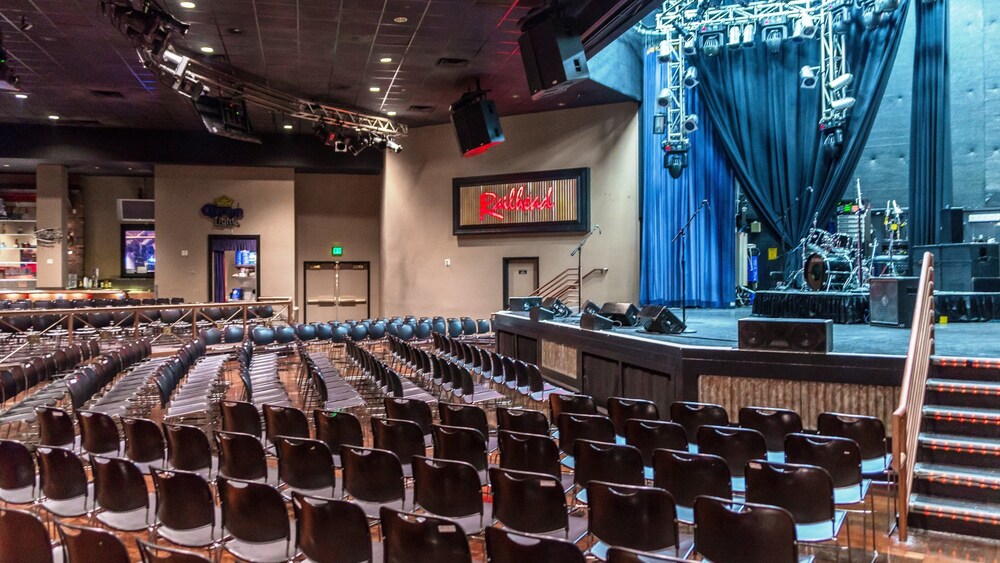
(28, 374)
(201, 387)
(327, 389)
(259, 373)
(387, 380)
(83, 303)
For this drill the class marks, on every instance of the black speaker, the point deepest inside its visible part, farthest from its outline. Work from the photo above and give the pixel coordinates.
(986, 285)
(553, 57)
(590, 307)
(794, 335)
(653, 318)
(626, 314)
(952, 225)
(556, 306)
(521, 304)
(477, 125)
(956, 265)
(589, 321)
(541, 314)
(893, 300)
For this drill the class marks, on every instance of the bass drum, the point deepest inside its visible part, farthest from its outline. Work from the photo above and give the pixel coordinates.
(826, 272)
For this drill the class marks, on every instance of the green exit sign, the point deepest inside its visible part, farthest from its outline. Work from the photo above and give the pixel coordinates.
(336, 250)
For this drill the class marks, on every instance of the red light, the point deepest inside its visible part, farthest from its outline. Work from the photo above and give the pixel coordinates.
(481, 150)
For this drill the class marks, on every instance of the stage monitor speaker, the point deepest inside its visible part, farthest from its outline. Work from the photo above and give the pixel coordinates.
(522, 304)
(557, 306)
(477, 126)
(553, 56)
(625, 314)
(952, 225)
(653, 318)
(986, 285)
(541, 314)
(956, 265)
(793, 335)
(590, 307)
(590, 321)
(893, 300)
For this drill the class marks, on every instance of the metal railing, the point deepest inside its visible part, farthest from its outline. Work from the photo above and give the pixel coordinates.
(565, 287)
(906, 418)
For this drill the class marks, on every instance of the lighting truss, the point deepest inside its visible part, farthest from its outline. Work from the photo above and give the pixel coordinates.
(678, 20)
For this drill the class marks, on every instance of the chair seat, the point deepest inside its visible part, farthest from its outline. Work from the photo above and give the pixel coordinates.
(821, 531)
(24, 495)
(205, 472)
(194, 537)
(739, 484)
(776, 457)
(145, 465)
(852, 494)
(876, 465)
(600, 549)
(131, 521)
(576, 530)
(472, 524)
(568, 461)
(371, 509)
(376, 554)
(72, 507)
(264, 552)
(685, 514)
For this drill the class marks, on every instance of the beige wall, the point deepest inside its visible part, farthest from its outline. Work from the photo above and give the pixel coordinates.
(343, 209)
(53, 210)
(417, 212)
(267, 196)
(102, 231)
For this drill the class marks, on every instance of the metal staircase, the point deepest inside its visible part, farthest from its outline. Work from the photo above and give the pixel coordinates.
(564, 286)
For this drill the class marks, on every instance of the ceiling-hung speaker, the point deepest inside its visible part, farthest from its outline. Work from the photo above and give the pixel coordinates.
(795, 335)
(553, 56)
(590, 321)
(477, 126)
(625, 314)
(556, 306)
(541, 314)
(521, 304)
(590, 307)
(653, 318)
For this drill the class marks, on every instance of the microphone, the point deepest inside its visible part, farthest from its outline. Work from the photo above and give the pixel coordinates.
(704, 203)
(809, 189)
(598, 227)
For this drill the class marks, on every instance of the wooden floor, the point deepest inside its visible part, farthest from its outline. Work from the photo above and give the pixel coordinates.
(926, 547)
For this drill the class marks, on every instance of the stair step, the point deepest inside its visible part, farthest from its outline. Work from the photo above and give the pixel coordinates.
(957, 481)
(947, 442)
(963, 414)
(979, 369)
(964, 386)
(957, 516)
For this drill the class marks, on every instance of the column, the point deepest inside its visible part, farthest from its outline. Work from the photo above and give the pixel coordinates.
(53, 208)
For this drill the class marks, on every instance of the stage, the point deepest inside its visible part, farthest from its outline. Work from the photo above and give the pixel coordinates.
(854, 307)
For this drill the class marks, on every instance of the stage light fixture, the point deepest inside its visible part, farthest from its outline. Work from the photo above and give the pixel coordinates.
(807, 78)
(833, 142)
(843, 104)
(773, 40)
(842, 81)
(663, 99)
(841, 21)
(690, 124)
(664, 51)
(393, 146)
(869, 18)
(735, 36)
(691, 77)
(804, 28)
(711, 38)
(675, 159)
(712, 46)
(749, 35)
(690, 47)
(885, 6)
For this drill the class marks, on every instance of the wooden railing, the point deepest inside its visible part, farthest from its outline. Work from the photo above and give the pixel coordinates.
(564, 286)
(906, 417)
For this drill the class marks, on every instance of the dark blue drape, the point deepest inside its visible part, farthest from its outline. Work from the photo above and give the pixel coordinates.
(930, 126)
(769, 126)
(667, 203)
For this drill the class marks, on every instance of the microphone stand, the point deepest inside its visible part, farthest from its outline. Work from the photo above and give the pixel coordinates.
(578, 252)
(681, 235)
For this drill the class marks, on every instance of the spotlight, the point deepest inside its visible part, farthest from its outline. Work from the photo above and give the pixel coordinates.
(842, 81)
(833, 142)
(689, 46)
(392, 145)
(664, 98)
(675, 160)
(886, 6)
(691, 77)
(869, 18)
(690, 124)
(804, 28)
(774, 31)
(773, 39)
(749, 35)
(807, 78)
(841, 21)
(735, 36)
(843, 104)
(665, 51)
(712, 37)
(711, 46)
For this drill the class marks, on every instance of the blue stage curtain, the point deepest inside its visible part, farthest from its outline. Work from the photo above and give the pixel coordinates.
(667, 203)
(930, 126)
(769, 125)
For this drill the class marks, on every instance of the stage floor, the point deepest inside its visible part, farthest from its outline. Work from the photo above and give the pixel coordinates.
(719, 328)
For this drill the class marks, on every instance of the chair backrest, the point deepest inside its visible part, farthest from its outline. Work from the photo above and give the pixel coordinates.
(285, 421)
(460, 444)
(621, 409)
(98, 432)
(534, 453)
(241, 456)
(338, 428)
(184, 500)
(468, 416)
(233, 334)
(513, 491)
(522, 420)
(23, 537)
(372, 475)
(735, 445)
(806, 491)
(17, 466)
(573, 427)
(240, 416)
(155, 553)
(687, 476)
(61, 472)
(253, 512)
(315, 517)
(867, 431)
(118, 484)
(841, 457)
(143, 440)
(447, 488)
(417, 412)
(91, 545)
(55, 427)
(569, 403)
(401, 437)
(636, 517)
(505, 546)
(625, 555)
(727, 532)
(692, 416)
(210, 335)
(416, 538)
(773, 424)
(613, 463)
(188, 447)
(651, 435)
(304, 463)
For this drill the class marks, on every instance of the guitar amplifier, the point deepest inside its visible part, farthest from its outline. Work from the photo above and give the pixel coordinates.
(893, 300)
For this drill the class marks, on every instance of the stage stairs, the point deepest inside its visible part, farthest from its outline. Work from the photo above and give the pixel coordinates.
(956, 480)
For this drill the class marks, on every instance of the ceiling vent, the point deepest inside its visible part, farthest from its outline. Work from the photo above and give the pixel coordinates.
(448, 62)
(113, 94)
(422, 109)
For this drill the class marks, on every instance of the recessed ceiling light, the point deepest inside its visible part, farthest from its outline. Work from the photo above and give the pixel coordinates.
(385, 60)
(53, 117)
(21, 96)
(6, 166)
(401, 19)
(97, 168)
(516, 96)
(235, 31)
(374, 89)
(561, 104)
(130, 168)
(288, 126)
(390, 113)
(187, 5)
(207, 50)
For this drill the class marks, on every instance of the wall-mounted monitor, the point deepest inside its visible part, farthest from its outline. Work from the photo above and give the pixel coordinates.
(138, 251)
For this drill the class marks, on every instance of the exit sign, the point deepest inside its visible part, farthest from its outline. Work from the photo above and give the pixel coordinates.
(336, 250)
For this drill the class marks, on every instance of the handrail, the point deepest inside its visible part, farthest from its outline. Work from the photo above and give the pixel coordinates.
(564, 285)
(557, 281)
(906, 417)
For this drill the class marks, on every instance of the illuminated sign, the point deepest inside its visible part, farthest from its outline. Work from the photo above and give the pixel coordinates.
(533, 202)
(223, 213)
(336, 250)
